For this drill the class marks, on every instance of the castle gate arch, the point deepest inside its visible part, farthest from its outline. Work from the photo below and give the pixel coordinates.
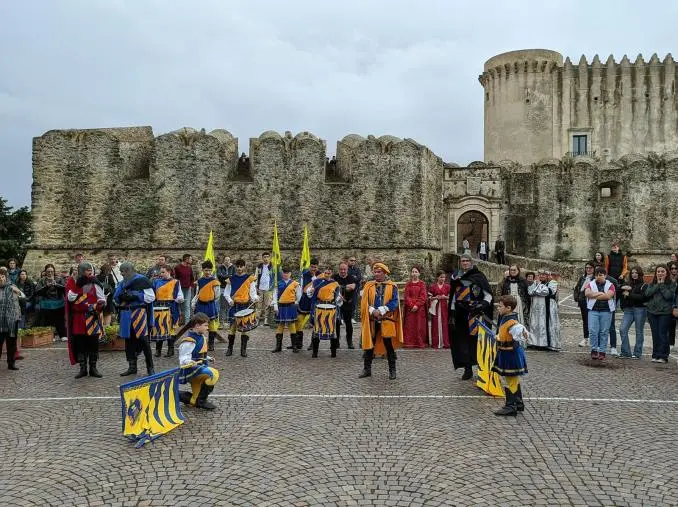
(474, 226)
(473, 216)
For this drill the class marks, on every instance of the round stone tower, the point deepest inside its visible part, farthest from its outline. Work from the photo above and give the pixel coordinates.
(520, 92)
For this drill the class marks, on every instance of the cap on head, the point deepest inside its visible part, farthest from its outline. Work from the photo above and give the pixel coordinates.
(382, 266)
(83, 266)
(127, 270)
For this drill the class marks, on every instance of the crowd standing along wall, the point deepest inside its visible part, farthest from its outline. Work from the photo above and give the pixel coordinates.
(124, 191)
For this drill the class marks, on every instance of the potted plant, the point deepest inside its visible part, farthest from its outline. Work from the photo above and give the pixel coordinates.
(36, 337)
(111, 339)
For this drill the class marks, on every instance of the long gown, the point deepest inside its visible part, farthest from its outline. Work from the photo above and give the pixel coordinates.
(544, 318)
(439, 316)
(414, 324)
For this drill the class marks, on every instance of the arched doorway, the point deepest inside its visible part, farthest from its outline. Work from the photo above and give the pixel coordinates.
(474, 226)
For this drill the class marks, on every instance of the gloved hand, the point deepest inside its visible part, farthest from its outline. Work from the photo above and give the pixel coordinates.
(129, 296)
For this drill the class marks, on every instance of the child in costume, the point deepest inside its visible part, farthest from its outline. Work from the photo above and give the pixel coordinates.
(206, 300)
(240, 294)
(286, 297)
(510, 361)
(194, 363)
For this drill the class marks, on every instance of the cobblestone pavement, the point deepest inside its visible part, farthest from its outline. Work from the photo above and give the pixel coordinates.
(290, 430)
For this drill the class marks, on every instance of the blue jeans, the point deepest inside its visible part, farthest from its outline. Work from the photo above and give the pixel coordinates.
(599, 330)
(637, 315)
(186, 308)
(659, 324)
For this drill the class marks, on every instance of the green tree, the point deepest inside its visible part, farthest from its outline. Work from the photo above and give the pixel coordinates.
(15, 231)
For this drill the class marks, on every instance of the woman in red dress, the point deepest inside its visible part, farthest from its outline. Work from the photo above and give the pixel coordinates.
(439, 295)
(414, 325)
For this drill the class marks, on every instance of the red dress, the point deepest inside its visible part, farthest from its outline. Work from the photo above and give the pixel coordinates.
(414, 323)
(439, 316)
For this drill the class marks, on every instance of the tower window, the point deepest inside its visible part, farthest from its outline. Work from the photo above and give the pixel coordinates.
(579, 145)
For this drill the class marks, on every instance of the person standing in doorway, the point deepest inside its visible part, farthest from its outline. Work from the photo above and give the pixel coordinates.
(500, 250)
(482, 250)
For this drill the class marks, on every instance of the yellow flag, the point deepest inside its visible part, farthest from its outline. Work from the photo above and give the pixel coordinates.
(276, 258)
(305, 260)
(150, 406)
(209, 252)
(488, 381)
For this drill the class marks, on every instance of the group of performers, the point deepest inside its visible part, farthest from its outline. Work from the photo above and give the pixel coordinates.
(150, 312)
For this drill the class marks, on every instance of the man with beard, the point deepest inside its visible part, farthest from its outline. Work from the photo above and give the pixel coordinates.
(85, 301)
(471, 298)
(134, 297)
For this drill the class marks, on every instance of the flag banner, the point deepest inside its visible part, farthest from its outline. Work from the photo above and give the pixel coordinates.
(150, 406)
(209, 252)
(276, 258)
(304, 263)
(488, 381)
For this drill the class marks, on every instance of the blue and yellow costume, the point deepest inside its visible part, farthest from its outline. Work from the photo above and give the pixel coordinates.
(240, 293)
(286, 297)
(385, 334)
(195, 370)
(168, 295)
(206, 301)
(510, 361)
(134, 298)
(326, 291)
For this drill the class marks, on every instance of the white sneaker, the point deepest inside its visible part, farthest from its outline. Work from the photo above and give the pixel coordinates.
(655, 360)
(613, 352)
(64, 338)
(354, 321)
(662, 360)
(584, 343)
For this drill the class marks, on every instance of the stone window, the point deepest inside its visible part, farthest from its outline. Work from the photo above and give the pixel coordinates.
(243, 169)
(611, 190)
(580, 143)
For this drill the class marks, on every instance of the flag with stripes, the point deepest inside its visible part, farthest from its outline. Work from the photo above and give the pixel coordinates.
(150, 406)
(488, 381)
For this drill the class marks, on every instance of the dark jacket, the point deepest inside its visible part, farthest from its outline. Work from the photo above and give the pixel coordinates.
(225, 273)
(636, 297)
(522, 287)
(660, 298)
(578, 293)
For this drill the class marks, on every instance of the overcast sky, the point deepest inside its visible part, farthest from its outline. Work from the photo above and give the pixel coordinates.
(395, 67)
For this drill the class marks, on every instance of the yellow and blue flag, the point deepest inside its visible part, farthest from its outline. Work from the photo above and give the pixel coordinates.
(209, 252)
(150, 406)
(488, 381)
(304, 263)
(276, 258)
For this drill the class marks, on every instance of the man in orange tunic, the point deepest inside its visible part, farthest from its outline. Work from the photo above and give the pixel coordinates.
(381, 326)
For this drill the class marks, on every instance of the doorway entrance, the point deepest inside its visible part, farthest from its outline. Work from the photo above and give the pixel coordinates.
(474, 226)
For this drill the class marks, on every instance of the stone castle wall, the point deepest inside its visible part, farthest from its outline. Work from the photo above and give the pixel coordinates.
(535, 103)
(126, 191)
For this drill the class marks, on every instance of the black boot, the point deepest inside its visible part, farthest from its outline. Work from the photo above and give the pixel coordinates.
(93, 358)
(468, 373)
(391, 365)
(131, 368)
(158, 349)
(520, 406)
(297, 339)
(243, 344)
(201, 401)
(349, 342)
(278, 342)
(510, 407)
(293, 341)
(210, 340)
(11, 365)
(368, 355)
(149, 366)
(315, 345)
(185, 397)
(334, 345)
(170, 347)
(82, 359)
(231, 341)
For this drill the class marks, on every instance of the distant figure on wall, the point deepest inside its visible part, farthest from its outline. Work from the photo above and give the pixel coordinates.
(482, 250)
(500, 250)
(466, 247)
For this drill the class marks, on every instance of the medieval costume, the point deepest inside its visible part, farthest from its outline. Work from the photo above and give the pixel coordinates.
(304, 310)
(167, 312)
(195, 370)
(134, 297)
(544, 318)
(516, 286)
(10, 314)
(439, 296)
(471, 299)
(85, 301)
(510, 362)
(414, 321)
(286, 297)
(206, 301)
(241, 293)
(381, 327)
(325, 292)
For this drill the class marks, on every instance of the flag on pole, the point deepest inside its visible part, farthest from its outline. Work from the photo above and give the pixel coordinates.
(276, 258)
(150, 406)
(304, 263)
(209, 252)
(488, 381)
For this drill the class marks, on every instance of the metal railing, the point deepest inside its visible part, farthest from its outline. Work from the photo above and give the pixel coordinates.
(581, 154)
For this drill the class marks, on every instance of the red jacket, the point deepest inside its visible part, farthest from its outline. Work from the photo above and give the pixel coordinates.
(80, 303)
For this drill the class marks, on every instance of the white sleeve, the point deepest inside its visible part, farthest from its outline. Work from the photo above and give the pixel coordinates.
(72, 296)
(180, 297)
(253, 292)
(275, 299)
(185, 351)
(337, 297)
(227, 293)
(297, 295)
(149, 296)
(517, 331)
(217, 292)
(383, 310)
(101, 296)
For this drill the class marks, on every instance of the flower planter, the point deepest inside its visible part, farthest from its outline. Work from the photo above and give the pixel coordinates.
(31, 339)
(116, 343)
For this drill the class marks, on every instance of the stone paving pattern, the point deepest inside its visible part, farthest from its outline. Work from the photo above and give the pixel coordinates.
(347, 450)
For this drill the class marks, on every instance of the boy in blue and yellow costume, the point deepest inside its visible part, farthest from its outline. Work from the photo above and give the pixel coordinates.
(134, 297)
(194, 363)
(324, 290)
(510, 361)
(381, 325)
(240, 294)
(206, 300)
(168, 294)
(304, 310)
(286, 297)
